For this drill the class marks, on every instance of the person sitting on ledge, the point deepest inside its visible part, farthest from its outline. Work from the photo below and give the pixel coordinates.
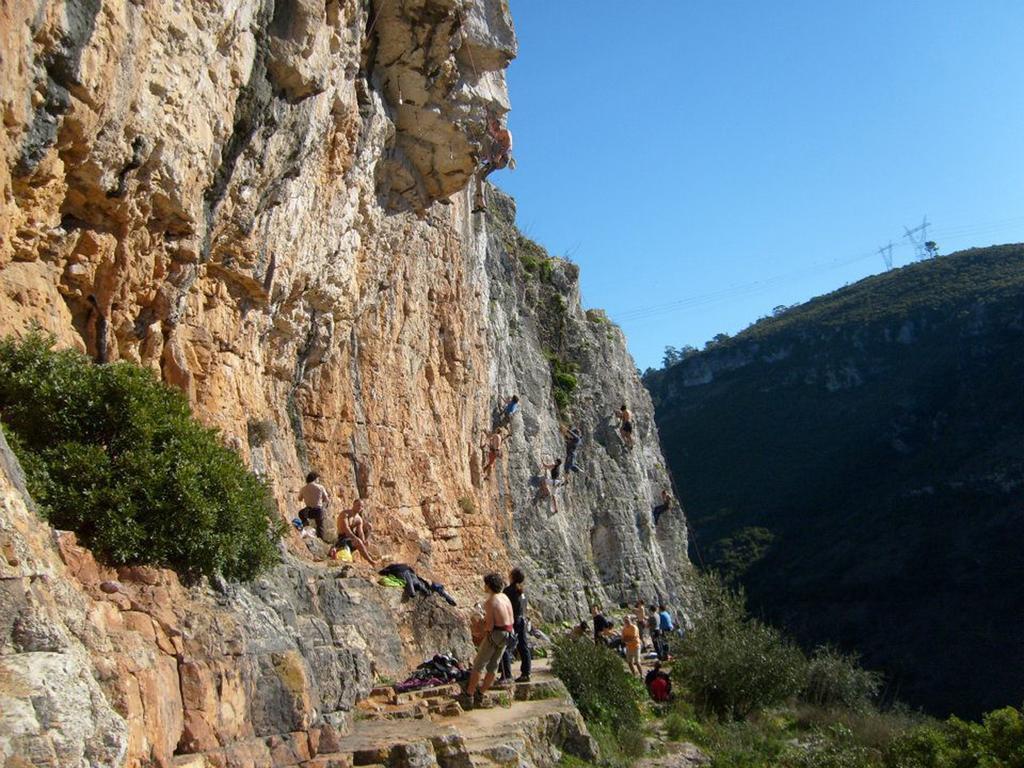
(658, 684)
(353, 531)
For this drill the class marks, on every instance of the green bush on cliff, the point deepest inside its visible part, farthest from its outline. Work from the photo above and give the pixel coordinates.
(604, 691)
(996, 742)
(564, 382)
(734, 664)
(835, 679)
(114, 455)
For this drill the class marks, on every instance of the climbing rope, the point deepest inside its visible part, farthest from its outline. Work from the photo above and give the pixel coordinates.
(472, 61)
(373, 23)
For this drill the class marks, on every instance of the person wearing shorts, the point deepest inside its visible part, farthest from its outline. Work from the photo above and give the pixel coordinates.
(631, 640)
(315, 496)
(498, 626)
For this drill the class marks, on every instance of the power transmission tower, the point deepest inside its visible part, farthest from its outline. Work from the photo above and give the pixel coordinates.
(919, 242)
(886, 253)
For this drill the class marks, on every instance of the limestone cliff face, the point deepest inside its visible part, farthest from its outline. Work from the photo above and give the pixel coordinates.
(265, 201)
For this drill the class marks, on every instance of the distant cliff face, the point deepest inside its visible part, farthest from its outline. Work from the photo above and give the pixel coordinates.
(267, 203)
(856, 462)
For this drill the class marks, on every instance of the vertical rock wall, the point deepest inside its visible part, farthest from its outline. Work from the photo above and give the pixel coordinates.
(266, 203)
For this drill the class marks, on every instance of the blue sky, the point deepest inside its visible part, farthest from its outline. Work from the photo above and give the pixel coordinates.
(725, 157)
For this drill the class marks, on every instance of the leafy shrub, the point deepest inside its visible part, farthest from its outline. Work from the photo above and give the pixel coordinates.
(605, 693)
(535, 259)
(743, 744)
(835, 679)
(114, 455)
(564, 381)
(734, 555)
(618, 748)
(923, 747)
(835, 748)
(873, 728)
(996, 742)
(734, 664)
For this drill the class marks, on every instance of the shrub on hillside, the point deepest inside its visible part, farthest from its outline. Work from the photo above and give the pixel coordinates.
(834, 748)
(603, 690)
(996, 742)
(114, 455)
(835, 679)
(734, 664)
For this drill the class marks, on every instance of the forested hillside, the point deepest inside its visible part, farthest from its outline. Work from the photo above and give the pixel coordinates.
(857, 462)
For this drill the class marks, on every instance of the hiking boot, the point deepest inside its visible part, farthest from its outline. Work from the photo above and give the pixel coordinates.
(466, 701)
(523, 679)
(478, 700)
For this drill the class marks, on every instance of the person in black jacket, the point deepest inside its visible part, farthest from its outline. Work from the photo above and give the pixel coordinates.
(414, 584)
(516, 594)
(601, 625)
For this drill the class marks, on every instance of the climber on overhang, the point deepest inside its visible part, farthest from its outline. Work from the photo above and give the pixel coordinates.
(498, 156)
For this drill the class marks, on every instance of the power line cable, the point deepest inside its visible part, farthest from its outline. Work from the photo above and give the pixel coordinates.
(746, 289)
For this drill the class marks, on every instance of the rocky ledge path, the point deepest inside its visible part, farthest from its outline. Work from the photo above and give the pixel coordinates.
(522, 725)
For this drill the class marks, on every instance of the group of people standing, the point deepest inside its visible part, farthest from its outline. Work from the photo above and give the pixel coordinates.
(656, 623)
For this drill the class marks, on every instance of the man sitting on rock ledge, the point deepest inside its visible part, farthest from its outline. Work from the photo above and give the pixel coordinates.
(498, 625)
(354, 531)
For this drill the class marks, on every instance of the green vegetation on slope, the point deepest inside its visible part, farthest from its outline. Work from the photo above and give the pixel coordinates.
(858, 464)
(114, 455)
(749, 699)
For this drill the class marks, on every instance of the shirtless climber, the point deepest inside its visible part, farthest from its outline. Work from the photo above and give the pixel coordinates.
(499, 155)
(354, 530)
(493, 448)
(625, 425)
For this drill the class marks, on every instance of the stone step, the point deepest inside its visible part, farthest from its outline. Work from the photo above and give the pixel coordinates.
(339, 760)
